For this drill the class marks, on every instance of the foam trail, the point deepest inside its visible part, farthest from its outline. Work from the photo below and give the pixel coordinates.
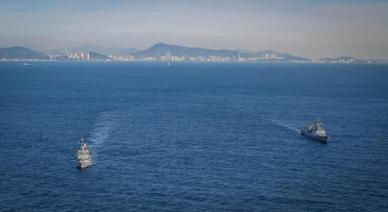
(285, 125)
(103, 127)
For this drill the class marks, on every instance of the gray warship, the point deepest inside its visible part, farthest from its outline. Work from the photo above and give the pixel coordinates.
(315, 131)
(83, 155)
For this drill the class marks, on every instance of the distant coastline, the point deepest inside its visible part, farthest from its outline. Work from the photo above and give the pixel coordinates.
(162, 52)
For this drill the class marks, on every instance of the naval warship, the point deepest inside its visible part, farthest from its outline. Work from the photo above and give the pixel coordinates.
(315, 131)
(83, 155)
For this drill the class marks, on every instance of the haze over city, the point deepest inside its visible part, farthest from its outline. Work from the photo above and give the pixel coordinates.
(312, 29)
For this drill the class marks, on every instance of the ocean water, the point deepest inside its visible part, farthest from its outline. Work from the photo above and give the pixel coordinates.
(193, 137)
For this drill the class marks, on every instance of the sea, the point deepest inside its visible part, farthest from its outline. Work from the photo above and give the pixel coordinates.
(193, 137)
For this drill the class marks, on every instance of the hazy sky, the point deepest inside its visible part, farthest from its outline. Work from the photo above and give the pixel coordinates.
(310, 28)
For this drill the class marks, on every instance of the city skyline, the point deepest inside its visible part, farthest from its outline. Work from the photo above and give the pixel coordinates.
(312, 29)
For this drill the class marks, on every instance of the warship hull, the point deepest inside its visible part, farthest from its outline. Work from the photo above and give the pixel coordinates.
(84, 165)
(83, 156)
(322, 139)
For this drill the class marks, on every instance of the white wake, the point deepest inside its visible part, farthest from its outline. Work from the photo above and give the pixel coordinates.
(285, 125)
(104, 126)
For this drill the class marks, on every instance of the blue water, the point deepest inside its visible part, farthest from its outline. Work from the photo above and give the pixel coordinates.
(193, 137)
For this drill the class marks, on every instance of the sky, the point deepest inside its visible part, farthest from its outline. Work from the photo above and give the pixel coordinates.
(310, 28)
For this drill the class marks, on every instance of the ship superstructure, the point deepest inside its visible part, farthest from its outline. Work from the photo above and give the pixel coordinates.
(83, 155)
(315, 131)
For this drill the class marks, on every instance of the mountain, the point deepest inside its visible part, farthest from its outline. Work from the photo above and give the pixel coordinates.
(176, 50)
(101, 49)
(98, 56)
(161, 49)
(21, 53)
